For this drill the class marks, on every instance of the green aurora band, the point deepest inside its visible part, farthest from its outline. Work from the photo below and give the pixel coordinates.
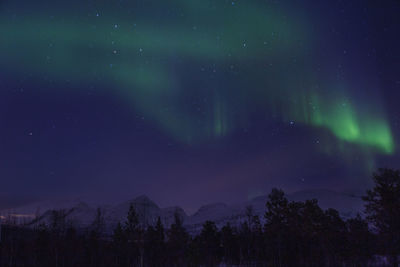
(147, 62)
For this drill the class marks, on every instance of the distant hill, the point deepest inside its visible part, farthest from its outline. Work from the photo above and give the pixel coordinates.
(82, 214)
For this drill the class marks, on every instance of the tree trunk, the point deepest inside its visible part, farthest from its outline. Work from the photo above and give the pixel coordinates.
(394, 260)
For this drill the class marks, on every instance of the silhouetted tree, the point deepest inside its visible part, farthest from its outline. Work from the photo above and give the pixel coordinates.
(276, 226)
(96, 230)
(360, 242)
(309, 221)
(177, 242)
(334, 238)
(98, 224)
(74, 253)
(132, 222)
(154, 244)
(230, 245)
(120, 246)
(41, 245)
(249, 212)
(383, 210)
(295, 233)
(58, 226)
(159, 247)
(257, 240)
(210, 249)
(134, 236)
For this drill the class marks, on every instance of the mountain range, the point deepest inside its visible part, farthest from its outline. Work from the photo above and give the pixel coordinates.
(82, 214)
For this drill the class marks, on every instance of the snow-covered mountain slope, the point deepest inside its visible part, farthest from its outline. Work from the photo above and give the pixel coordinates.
(348, 206)
(82, 214)
(78, 211)
(148, 212)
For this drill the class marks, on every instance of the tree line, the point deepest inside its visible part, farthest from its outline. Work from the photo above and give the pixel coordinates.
(294, 234)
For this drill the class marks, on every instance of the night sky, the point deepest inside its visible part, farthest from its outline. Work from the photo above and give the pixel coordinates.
(196, 101)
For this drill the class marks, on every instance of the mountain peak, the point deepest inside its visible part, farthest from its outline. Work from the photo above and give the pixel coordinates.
(143, 201)
(142, 198)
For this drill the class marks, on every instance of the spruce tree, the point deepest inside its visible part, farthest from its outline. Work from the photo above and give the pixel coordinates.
(383, 210)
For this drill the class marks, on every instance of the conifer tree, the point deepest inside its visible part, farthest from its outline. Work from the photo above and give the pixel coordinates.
(383, 210)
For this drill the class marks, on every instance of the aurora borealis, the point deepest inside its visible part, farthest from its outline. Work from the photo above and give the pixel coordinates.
(196, 89)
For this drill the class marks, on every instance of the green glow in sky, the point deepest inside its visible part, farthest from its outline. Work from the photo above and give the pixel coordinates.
(343, 120)
(243, 57)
